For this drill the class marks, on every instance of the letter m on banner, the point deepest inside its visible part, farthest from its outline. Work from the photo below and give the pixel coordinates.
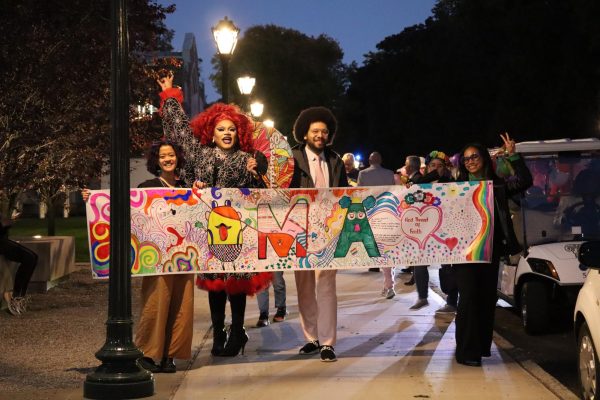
(282, 236)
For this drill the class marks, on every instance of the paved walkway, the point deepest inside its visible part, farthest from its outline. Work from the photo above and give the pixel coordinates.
(384, 349)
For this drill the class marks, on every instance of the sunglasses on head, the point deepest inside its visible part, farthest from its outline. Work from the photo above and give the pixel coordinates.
(472, 157)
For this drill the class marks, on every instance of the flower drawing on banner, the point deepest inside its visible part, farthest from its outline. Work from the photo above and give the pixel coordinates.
(427, 198)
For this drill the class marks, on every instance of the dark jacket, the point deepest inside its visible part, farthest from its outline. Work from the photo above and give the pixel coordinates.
(432, 176)
(302, 178)
(505, 240)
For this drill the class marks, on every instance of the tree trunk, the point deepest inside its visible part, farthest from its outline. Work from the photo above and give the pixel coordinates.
(51, 218)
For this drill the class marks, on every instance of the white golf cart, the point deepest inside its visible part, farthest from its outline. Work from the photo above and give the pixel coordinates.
(558, 213)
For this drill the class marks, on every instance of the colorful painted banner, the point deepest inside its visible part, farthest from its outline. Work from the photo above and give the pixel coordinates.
(225, 230)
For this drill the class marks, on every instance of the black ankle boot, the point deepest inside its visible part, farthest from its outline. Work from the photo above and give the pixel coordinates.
(236, 342)
(219, 339)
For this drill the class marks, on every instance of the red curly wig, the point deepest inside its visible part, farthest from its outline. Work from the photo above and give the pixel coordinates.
(203, 125)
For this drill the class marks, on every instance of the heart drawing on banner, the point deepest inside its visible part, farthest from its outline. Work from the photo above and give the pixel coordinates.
(418, 225)
(451, 243)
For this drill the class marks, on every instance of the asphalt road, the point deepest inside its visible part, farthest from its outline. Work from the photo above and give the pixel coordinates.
(554, 352)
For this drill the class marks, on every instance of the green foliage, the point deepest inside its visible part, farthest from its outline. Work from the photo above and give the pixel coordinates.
(55, 81)
(474, 70)
(293, 71)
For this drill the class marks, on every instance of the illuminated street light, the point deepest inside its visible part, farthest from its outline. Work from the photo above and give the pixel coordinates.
(269, 123)
(246, 84)
(256, 109)
(225, 34)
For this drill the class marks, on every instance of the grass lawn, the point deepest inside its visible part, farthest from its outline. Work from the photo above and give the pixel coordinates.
(73, 226)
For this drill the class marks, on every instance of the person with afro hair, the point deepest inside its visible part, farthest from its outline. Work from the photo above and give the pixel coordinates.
(317, 166)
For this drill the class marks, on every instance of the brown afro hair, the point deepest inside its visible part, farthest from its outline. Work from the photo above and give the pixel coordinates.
(203, 125)
(314, 114)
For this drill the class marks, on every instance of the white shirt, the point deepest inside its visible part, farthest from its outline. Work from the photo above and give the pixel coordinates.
(313, 159)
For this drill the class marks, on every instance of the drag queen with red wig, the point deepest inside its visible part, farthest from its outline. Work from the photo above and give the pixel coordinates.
(218, 148)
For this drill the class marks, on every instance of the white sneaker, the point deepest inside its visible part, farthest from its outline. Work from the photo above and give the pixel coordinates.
(388, 293)
(419, 304)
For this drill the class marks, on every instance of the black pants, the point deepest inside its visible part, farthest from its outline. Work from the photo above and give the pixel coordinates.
(476, 307)
(27, 260)
(448, 284)
(237, 302)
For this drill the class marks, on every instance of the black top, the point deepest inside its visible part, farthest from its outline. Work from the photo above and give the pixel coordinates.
(156, 182)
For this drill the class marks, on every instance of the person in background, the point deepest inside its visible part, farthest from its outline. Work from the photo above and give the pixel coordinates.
(351, 170)
(436, 172)
(316, 166)
(376, 175)
(412, 168)
(263, 301)
(477, 282)
(27, 260)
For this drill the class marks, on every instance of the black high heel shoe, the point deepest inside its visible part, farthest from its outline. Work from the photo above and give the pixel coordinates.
(236, 342)
(219, 339)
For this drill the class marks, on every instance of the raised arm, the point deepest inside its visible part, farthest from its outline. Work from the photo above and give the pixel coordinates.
(176, 125)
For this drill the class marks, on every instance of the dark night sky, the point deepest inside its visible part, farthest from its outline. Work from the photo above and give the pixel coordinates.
(357, 25)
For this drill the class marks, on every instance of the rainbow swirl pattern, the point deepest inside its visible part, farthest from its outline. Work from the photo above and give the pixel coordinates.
(483, 200)
(183, 261)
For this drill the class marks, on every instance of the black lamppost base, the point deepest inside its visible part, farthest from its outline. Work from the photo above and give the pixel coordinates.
(129, 390)
(106, 384)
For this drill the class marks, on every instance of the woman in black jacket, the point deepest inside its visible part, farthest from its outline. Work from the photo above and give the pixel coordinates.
(477, 282)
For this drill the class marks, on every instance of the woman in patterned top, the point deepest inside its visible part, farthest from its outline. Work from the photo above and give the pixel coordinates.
(218, 149)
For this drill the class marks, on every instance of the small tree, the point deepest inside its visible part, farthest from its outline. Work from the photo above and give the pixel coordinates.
(56, 94)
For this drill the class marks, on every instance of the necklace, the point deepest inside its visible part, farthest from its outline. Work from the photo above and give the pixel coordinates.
(164, 182)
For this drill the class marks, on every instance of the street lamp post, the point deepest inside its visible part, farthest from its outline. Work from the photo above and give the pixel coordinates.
(246, 84)
(225, 34)
(119, 376)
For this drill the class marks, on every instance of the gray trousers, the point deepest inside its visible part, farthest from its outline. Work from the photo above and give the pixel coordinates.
(279, 289)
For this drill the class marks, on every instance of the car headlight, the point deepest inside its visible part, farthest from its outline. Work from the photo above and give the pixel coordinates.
(543, 267)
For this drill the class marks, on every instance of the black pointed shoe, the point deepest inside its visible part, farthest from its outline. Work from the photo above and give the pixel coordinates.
(236, 342)
(148, 364)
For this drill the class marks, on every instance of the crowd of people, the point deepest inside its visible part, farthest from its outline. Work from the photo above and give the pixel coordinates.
(218, 149)
(215, 149)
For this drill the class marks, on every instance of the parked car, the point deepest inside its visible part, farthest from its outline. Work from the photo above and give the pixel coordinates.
(551, 220)
(587, 322)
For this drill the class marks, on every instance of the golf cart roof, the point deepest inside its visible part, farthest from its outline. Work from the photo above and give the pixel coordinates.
(558, 145)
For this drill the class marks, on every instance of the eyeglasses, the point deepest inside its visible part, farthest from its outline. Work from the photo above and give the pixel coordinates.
(473, 157)
(323, 132)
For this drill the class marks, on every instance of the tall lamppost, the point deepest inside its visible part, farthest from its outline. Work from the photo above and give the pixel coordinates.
(225, 34)
(119, 376)
(246, 84)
